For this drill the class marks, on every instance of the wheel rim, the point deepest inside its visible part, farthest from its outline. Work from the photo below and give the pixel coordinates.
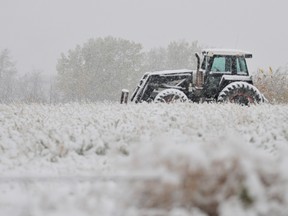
(171, 98)
(241, 98)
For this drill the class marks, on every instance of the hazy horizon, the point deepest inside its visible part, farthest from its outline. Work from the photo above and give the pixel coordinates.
(37, 31)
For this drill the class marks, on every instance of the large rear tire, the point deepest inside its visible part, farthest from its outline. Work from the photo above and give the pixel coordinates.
(241, 93)
(170, 96)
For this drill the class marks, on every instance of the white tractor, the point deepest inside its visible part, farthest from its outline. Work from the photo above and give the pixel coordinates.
(221, 76)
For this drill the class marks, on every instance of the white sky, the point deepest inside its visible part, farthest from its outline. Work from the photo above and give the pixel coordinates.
(37, 31)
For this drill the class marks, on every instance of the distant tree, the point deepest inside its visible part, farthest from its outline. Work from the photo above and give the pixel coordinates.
(99, 69)
(31, 87)
(181, 54)
(177, 55)
(71, 75)
(156, 59)
(7, 76)
(53, 92)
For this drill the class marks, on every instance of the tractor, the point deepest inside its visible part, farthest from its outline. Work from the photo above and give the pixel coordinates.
(221, 76)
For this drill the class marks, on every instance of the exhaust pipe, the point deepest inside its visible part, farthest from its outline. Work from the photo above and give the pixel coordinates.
(124, 96)
(199, 74)
(198, 60)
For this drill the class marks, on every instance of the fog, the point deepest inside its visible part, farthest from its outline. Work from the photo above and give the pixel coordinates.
(37, 31)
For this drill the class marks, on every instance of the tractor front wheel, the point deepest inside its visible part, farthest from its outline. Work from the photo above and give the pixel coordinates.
(170, 96)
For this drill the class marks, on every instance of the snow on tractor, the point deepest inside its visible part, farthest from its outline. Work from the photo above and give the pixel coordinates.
(221, 76)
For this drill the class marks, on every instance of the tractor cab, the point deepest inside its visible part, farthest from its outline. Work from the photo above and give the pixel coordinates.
(225, 61)
(221, 67)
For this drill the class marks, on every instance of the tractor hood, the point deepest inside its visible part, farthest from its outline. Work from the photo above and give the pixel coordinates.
(170, 72)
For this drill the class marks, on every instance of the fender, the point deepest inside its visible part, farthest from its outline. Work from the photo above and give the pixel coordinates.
(226, 79)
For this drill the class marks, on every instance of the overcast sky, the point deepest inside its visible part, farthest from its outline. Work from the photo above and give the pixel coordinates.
(37, 31)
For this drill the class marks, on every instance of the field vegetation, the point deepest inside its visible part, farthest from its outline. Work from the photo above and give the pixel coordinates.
(148, 159)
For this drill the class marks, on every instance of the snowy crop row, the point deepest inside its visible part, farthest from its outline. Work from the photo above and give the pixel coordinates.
(177, 159)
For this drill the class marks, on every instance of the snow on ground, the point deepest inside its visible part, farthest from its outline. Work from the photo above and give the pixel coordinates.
(148, 159)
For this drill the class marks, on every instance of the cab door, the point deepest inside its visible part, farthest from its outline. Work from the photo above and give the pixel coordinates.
(218, 66)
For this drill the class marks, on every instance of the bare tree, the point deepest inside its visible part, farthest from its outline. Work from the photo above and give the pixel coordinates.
(7, 76)
(31, 87)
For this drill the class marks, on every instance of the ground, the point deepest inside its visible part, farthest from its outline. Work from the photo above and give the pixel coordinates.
(145, 159)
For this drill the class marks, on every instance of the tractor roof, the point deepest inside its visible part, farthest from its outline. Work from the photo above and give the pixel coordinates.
(232, 52)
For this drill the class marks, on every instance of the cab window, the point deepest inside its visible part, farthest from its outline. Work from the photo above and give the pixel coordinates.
(221, 64)
(241, 67)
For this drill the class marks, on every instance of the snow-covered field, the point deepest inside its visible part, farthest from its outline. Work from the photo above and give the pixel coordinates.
(157, 159)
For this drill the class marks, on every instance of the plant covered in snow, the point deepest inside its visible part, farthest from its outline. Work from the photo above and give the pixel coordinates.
(273, 84)
(223, 176)
(154, 159)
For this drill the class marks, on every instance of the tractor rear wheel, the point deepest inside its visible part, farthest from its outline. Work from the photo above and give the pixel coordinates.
(241, 93)
(170, 96)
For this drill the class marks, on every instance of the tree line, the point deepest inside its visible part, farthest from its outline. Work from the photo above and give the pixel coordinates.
(94, 71)
(98, 69)
(101, 67)
(30, 87)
